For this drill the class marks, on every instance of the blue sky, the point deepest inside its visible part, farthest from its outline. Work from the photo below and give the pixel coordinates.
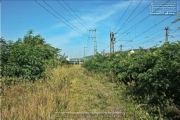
(18, 16)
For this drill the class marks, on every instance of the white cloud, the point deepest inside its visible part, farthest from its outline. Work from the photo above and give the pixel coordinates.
(97, 15)
(93, 18)
(63, 39)
(104, 12)
(58, 25)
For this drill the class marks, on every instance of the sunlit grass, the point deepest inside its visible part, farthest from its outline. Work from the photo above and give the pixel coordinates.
(38, 100)
(65, 89)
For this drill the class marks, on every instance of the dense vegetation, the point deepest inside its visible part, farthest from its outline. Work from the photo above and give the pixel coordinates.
(26, 58)
(152, 77)
(69, 88)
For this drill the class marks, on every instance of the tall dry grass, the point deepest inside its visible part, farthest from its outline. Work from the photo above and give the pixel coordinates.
(65, 89)
(27, 101)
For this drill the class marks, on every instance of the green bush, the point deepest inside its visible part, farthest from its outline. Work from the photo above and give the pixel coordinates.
(152, 76)
(26, 58)
(99, 63)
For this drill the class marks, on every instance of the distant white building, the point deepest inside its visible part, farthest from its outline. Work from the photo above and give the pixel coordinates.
(132, 51)
(68, 59)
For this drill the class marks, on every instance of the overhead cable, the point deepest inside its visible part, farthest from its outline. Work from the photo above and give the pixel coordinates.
(123, 15)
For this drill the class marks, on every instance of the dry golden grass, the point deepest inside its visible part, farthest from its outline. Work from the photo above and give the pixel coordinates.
(66, 89)
(38, 100)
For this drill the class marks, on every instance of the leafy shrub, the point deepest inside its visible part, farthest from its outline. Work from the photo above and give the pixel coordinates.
(98, 63)
(151, 76)
(27, 58)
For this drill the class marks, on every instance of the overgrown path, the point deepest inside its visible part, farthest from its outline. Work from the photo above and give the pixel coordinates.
(92, 93)
(66, 89)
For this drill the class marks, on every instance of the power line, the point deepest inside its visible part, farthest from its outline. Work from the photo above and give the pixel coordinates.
(152, 39)
(77, 15)
(142, 20)
(59, 18)
(155, 37)
(129, 16)
(63, 17)
(138, 13)
(136, 24)
(147, 36)
(123, 14)
(151, 27)
(103, 43)
(54, 15)
(176, 30)
(148, 41)
(71, 14)
(132, 19)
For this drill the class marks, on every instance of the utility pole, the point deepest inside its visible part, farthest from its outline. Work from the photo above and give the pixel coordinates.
(79, 58)
(120, 48)
(167, 29)
(84, 53)
(103, 52)
(112, 39)
(95, 41)
(76, 58)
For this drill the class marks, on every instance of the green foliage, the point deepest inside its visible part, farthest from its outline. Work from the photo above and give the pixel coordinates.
(27, 58)
(151, 76)
(98, 63)
(63, 59)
